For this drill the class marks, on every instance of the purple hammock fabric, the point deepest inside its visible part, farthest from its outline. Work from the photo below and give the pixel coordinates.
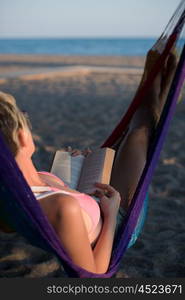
(22, 211)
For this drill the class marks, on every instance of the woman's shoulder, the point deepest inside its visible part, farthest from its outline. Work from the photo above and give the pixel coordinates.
(63, 203)
(65, 199)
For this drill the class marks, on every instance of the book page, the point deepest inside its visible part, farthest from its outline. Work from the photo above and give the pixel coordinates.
(76, 167)
(67, 168)
(91, 171)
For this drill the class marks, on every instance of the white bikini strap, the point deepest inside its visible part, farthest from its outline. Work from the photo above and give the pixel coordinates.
(42, 189)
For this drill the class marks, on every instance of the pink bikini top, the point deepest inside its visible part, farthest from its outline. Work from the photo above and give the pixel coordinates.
(89, 206)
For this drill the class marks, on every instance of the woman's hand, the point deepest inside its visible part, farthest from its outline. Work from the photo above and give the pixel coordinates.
(109, 199)
(76, 152)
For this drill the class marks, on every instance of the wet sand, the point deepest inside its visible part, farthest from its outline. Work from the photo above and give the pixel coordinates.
(77, 101)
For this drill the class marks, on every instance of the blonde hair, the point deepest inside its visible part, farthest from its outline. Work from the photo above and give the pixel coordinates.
(11, 120)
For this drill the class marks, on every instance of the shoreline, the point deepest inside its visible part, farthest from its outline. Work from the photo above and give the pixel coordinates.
(39, 67)
(39, 74)
(64, 60)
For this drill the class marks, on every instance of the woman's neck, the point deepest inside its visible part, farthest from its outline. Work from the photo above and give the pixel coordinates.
(29, 171)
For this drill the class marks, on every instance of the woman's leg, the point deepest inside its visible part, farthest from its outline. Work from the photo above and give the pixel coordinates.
(132, 151)
(130, 161)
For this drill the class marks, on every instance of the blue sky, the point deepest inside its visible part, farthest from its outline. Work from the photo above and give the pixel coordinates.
(84, 18)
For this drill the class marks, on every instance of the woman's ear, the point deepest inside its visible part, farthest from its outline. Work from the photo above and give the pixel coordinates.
(22, 137)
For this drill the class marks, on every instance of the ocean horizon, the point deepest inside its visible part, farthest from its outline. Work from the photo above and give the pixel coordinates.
(77, 46)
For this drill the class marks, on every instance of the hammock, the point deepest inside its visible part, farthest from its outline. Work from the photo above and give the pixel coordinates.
(20, 209)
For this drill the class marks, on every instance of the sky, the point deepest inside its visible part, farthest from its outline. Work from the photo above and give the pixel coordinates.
(84, 18)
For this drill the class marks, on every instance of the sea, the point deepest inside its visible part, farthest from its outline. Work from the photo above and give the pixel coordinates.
(78, 46)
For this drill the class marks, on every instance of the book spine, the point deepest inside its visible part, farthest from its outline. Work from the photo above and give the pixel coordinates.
(108, 163)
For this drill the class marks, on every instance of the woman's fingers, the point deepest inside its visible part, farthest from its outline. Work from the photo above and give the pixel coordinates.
(108, 190)
(86, 151)
(104, 185)
(76, 152)
(99, 193)
(102, 193)
(73, 152)
(68, 149)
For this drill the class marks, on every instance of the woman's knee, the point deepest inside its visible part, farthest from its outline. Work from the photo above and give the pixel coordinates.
(140, 134)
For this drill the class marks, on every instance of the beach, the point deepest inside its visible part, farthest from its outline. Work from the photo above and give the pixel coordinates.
(77, 101)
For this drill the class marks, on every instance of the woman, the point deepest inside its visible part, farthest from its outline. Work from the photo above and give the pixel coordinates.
(85, 228)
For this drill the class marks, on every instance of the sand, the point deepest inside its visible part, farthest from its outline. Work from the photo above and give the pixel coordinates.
(77, 101)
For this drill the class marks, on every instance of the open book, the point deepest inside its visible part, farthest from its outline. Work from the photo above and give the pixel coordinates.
(80, 172)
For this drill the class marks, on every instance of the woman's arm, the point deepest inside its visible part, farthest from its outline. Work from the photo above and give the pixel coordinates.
(72, 232)
(65, 215)
(103, 249)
